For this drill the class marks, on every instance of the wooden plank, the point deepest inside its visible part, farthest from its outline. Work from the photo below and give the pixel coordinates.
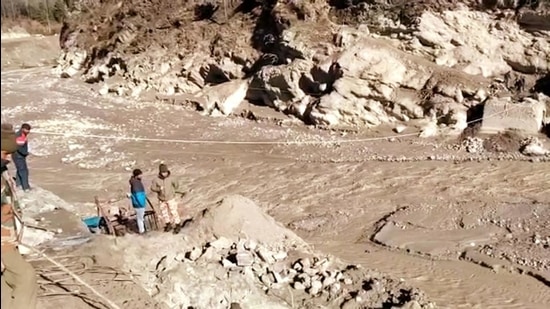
(102, 213)
(155, 210)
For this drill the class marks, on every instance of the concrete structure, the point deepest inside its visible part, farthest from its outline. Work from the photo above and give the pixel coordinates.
(501, 114)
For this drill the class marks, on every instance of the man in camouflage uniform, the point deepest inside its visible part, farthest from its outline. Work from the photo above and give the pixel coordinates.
(19, 286)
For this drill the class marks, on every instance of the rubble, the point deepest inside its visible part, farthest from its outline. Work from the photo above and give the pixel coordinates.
(262, 269)
(473, 144)
(313, 277)
(534, 147)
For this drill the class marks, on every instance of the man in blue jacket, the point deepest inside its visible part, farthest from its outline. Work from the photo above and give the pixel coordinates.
(20, 157)
(139, 199)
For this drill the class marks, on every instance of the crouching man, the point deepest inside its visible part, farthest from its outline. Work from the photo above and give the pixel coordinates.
(19, 286)
(165, 187)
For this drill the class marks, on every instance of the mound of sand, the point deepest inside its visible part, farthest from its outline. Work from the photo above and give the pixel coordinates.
(237, 217)
(214, 266)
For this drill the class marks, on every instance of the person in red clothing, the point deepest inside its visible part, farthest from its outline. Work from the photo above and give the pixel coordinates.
(18, 285)
(20, 157)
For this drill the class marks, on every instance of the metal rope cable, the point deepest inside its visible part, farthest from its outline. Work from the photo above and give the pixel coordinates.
(214, 142)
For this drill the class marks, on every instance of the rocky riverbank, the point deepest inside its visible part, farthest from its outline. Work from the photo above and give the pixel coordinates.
(326, 63)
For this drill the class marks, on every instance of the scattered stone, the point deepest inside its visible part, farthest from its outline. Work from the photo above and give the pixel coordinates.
(412, 305)
(399, 129)
(227, 263)
(328, 281)
(245, 258)
(473, 144)
(221, 243)
(533, 147)
(279, 256)
(194, 254)
(315, 288)
(267, 279)
(297, 266)
(298, 285)
(265, 255)
(250, 245)
(210, 254)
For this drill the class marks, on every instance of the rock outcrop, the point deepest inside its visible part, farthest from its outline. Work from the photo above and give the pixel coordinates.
(390, 63)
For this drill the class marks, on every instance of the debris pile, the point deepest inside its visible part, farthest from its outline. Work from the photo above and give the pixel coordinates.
(271, 268)
(502, 143)
(532, 146)
(314, 279)
(473, 144)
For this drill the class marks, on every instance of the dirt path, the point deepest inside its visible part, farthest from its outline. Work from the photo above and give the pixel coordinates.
(339, 207)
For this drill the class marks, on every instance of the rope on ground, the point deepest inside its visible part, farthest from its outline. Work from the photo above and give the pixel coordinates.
(74, 276)
(214, 142)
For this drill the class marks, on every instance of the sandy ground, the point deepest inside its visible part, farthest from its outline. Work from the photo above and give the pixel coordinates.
(429, 222)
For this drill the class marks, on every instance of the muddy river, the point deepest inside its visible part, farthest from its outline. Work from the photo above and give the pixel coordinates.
(411, 220)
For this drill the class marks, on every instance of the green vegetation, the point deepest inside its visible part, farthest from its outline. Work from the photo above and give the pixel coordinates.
(35, 16)
(43, 11)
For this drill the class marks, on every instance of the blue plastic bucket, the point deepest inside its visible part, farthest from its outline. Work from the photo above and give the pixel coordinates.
(92, 222)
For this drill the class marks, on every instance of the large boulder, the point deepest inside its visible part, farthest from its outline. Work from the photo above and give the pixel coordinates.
(380, 84)
(503, 114)
(480, 44)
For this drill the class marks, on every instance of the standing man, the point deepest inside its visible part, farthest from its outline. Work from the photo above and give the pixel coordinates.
(19, 286)
(20, 157)
(139, 199)
(6, 176)
(165, 187)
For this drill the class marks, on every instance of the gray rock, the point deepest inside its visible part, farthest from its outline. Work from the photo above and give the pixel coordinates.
(305, 279)
(399, 128)
(279, 256)
(315, 288)
(412, 305)
(265, 255)
(250, 245)
(211, 254)
(221, 243)
(298, 266)
(328, 281)
(227, 263)
(267, 279)
(278, 278)
(534, 147)
(311, 271)
(245, 258)
(335, 288)
(194, 254)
